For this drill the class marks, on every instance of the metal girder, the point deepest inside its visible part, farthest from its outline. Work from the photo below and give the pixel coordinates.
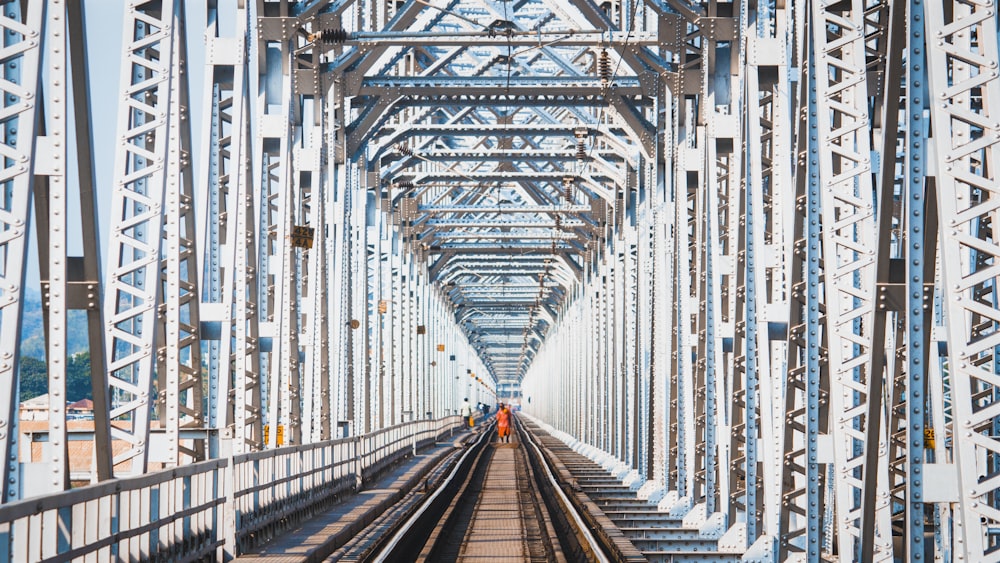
(803, 478)
(504, 155)
(526, 87)
(538, 177)
(513, 208)
(230, 258)
(965, 88)
(528, 39)
(21, 62)
(467, 235)
(497, 224)
(179, 382)
(493, 247)
(54, 273)
(147, 120)
(849, 259)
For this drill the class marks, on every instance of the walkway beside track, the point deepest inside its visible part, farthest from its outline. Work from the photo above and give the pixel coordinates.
(624, 518)
(324, 534)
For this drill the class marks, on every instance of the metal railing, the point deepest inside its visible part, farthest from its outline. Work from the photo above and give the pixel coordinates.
(212, 509)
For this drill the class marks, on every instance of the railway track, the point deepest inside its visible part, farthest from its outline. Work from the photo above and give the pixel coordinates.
(499, 501)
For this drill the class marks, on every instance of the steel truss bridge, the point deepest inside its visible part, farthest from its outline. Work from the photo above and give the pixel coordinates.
(748, 249)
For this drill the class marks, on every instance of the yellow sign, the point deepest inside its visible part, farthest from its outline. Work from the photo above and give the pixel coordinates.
(928, 438)
(383, 305)
(280, 437)
(440, 347)
(302, 237)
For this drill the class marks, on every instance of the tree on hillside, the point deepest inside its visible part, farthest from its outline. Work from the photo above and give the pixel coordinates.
(34, 378)
(78, 377)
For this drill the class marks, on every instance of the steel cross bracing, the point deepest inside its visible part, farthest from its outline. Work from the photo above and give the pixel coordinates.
(744, 251)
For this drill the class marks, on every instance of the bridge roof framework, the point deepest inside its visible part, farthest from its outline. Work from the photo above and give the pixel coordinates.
(659, 221)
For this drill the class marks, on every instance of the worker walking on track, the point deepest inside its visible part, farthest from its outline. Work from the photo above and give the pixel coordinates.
(466, 412)
(503, 424)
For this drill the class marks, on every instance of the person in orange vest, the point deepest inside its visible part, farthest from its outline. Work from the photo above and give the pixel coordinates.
(503, 424)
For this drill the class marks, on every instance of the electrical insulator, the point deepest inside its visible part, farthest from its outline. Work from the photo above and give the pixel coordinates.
(567, 188)
(604, 68)
(330, 36)
(581, 148)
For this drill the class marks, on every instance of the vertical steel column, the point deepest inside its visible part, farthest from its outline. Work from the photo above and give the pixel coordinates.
(644, 348)
(247, 407)
(277, 115)
(219, 108)
(662, 343)
(142, 156)
(744, 480)
(723, 167)
(607, 402)
(372, 321)
(700, 248)
(230, 258)
(920, 259)
(51, 208)
(397, 331)
(50, 199)
(963, 78)
(774, 228)
(92, 290)
(687, 274)
(616, 369)
(341, 305)
(849, 252)
(179, 358)
(308, 287)
(357, 289)
(885, 487)
(802, 479)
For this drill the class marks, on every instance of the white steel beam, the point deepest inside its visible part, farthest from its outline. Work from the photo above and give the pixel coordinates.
(132, 298)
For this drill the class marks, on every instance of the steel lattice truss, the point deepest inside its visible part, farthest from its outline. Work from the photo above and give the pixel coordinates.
(747, 250)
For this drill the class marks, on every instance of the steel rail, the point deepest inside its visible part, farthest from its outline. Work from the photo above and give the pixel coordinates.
(586, 538)
(401, 533)
(568, 507)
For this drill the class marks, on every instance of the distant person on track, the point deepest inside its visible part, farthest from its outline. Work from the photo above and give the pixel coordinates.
(466, 411)
(503, 424)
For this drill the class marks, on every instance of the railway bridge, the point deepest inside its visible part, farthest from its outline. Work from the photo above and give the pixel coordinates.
(734, 265)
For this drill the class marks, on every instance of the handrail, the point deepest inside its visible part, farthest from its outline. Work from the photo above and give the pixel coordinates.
(211, 506)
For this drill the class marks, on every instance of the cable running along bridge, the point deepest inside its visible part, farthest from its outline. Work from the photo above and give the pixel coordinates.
(741, 255)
